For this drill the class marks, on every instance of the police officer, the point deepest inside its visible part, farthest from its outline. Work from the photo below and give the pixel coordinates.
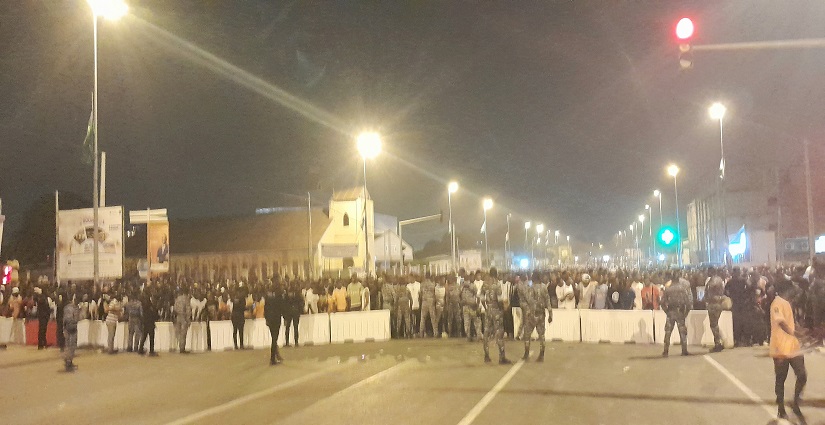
(714, 297)
(677, 301)
(183, 317)
(453, 308)
(492, 299)
(428, 307)
(388, 303)
(469, 308)
(71, 315)
(539, 305)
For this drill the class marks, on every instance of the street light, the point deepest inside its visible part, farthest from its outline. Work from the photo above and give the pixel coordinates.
(111, 10)
(717, 112)
(539, 228)
(527, 226)
(369, 146)
(486, 205)
(673, 171)
(452, 187)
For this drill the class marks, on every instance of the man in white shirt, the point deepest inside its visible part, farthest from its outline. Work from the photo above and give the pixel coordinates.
(587, 289)
(310, 301)
(637, 287)
(565, 295)
(415, 293)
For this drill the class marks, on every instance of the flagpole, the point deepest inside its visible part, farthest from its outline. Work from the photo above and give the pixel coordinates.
(102, 179)
(56, 234)
(96, 191)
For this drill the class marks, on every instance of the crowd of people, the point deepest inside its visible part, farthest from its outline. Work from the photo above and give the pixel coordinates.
(443, 305)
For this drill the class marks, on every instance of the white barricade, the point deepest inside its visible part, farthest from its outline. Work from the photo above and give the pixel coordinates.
(698, 328)
(88, 333)
(165, 340)
(221, 333)
(196, 337)
(314, 329)
(566, 326)
(360, 326)
(617, 326)
(12, 336)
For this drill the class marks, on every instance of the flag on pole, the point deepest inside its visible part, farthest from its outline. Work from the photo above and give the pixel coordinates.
(739, 244)
(88, 149)
(484, 227)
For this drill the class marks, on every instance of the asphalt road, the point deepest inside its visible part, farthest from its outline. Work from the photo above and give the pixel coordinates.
(400, 382)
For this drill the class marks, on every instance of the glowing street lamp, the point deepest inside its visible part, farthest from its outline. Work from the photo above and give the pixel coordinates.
(111, 10)
(369, 146)
(717, 112)
(539, 228)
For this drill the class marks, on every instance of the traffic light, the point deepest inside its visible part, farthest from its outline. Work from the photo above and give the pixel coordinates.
(667, 237)
(684, 32)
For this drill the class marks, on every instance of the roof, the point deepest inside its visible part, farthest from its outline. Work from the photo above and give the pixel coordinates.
(350, 194)
(264, 232)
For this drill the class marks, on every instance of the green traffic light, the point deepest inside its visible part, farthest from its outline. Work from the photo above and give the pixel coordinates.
(668, 237)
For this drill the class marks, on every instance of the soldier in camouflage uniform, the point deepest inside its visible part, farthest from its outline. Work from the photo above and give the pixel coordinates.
(388, 303)
(491, 299)
(428, 307)
(714, 296)
(677, 301)
(538, 306)
(469, 308)
(526, 298)
(404, 311)
(453, 308)
(71, 315)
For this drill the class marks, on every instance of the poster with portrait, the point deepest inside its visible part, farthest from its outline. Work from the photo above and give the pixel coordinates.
(157, 244)
(75, 243)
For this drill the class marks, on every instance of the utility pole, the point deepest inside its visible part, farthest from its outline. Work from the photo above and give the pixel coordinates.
(810, 202)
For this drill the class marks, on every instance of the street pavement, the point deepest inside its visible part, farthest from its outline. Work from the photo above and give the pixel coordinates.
(417, 382)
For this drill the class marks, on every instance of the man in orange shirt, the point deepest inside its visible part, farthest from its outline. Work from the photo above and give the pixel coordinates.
(785, 349)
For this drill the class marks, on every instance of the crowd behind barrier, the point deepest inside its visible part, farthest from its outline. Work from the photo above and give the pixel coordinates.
(590, 305)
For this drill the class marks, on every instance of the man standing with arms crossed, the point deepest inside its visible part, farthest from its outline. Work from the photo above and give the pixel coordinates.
(785, 350)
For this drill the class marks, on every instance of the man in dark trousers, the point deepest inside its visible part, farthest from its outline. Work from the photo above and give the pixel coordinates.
(44, 310)
(294, 305)
(785, 350)
(273, 308)
(150, 317)
(737, 290)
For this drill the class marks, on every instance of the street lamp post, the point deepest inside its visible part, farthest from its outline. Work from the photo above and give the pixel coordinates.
(641, 235)
(539, 231)
(673, 171)
(369, 146)
(569, 247)
(486, 205)
(650, 229)
(451, 188)
(717, 112)
(658, 194)
(112, 10)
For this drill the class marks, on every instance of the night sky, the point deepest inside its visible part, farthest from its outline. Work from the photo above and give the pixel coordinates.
(564, 112)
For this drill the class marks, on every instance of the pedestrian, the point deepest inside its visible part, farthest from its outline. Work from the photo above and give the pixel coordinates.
(113, 309)
(238, 318)
(354, 295)
(292, 312)
(493, 297)
(414, 288)
(183, 312)
(134, 315)
(43, 312)
(16, 309)
(71, 315)
(587, 289)
(677, 302)
(404, 311)
(150, 317)
(272, 315)
(785, 350)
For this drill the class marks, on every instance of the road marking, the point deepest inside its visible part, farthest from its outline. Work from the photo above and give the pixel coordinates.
(739, 384)
(249, 397)
(479, 407)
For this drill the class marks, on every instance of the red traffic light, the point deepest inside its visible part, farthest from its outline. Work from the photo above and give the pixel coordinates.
(684, 29)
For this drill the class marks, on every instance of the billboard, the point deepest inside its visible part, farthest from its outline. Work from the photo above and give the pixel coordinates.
(75, 243)
(157, 246)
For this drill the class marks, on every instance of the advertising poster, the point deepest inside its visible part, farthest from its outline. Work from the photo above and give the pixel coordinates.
(157, 243)
(76, 241)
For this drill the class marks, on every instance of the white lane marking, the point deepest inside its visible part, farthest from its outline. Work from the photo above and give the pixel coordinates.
(742, 387)
(249, 397)
(479, 407)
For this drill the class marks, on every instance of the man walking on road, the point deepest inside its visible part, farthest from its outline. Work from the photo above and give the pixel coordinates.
(785, 350)
(71, 315)
(715, 296)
